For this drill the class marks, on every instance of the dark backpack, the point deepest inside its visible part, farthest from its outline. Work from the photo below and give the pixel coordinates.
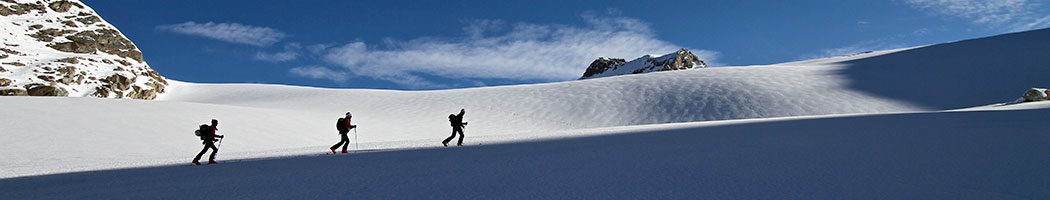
(341, 125)
(203, 132)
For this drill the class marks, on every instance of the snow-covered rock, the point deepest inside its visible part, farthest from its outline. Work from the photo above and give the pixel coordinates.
(64, 48)
(1036, 94)
(679, 60)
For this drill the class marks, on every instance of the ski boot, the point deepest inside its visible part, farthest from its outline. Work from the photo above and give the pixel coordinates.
(333, 150)
(211, 162)
(196, 162)
(444, 143)
(344, 151)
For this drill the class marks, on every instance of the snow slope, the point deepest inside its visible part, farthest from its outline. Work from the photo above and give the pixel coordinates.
(957, 74)
(939, 155)
(803, 129)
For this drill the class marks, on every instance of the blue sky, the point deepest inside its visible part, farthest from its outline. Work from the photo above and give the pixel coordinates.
(414, 45)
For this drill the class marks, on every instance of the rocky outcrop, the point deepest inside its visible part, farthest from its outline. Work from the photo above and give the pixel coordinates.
(601, 65)
(1036, 94)
(13, 92)
(105, 40)
(20, 8)
(63, 48)
(47, 91)
(63, 6)
(680, 60)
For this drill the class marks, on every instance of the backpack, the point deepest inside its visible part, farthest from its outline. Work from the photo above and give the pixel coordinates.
(341, 125)
(200, 131)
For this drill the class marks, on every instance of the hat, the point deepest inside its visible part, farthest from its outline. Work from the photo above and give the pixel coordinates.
(348, 114)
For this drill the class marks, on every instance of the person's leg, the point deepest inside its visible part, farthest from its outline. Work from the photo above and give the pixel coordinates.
(460, 136)
(450, 137)
(214, 150)
(198, 158)
(346, 142)
(341, 140)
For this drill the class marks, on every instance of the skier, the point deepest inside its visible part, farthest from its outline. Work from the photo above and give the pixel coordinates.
(344, 126)
(457, 126)
(208, 136)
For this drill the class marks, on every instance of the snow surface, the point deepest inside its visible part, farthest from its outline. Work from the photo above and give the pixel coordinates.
(813, 129)
(947, 155)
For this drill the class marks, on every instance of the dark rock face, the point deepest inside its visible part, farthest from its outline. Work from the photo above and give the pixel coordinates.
(683, 59)
(1036, 94)
(105, 40)
(13, 92)
(48, 35)
(89, 20)
(47, 91)
(5, 82)
(601, 65)
(63, 6)
(117, 82)
(20, 9)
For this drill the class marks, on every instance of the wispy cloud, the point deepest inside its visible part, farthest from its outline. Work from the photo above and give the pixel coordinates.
(228, 32)
(496, 49)
(1014, 15)
(291, 52)
(318, 72)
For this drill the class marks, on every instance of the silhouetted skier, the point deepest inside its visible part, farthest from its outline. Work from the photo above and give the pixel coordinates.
(208, 136)
(344, 126)
(457, 126)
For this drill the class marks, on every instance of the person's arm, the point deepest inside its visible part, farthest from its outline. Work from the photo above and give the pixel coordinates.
(461, 112)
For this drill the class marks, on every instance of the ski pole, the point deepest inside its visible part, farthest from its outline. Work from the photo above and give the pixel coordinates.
(356, 147)
(220, 143)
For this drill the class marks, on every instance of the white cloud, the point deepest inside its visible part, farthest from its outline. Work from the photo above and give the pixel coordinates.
(1036, 24)
(228, 32)
(1014, 15)
(291, 52)
(276, 57)
(547, 52)
(318, 72)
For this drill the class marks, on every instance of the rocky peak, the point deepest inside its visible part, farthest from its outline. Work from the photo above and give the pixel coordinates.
(64, 48)
(601, 65)
(679, 60)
